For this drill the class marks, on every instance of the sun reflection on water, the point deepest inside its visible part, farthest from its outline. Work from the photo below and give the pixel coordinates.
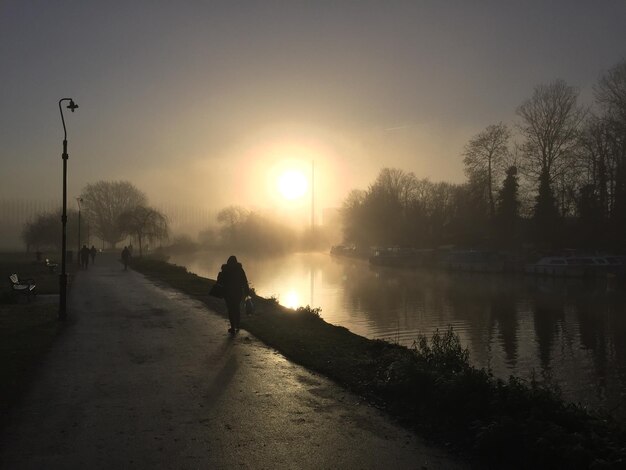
(291, 300)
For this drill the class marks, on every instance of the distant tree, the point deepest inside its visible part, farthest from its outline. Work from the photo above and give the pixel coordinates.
(610, 94)
(144, 223)
(231, 218)
(551, 121)
(485, 160)
(352, 215)
(387, 206)
(507, 212)
(45, 230)
(399, 209)
(597, 163)
(442, 210)
(590, 224)
(546, 216)
(104, 202)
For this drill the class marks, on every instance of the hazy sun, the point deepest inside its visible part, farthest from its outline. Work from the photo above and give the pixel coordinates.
(292, 184)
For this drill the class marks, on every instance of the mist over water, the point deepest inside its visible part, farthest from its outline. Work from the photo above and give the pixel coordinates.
(567, 330)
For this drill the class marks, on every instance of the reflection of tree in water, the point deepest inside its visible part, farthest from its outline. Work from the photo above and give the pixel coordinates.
(504, 312)
(476, 304)
(548, 312)
(591, 309)
(378, 294)
(470, 299)
(602, 328)
(486, 303)
(617, 330)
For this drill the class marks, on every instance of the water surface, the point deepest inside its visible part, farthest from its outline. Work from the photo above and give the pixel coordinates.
(571, 331)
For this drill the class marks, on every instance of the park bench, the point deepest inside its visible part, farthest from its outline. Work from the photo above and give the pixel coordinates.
(51, 266)
(26, 287)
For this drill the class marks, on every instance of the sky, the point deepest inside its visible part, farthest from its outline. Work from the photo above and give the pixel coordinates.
(207, 103)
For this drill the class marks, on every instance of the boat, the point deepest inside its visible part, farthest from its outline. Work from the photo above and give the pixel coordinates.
(349, 251)
(474, 261)
(403, 257)
(573, 266)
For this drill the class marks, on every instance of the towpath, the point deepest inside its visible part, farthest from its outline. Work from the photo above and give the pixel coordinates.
(145, 377)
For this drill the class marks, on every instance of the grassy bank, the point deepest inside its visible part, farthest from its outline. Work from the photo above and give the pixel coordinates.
(26, 266)
(26, 332)
(27, 328)
(431, 388)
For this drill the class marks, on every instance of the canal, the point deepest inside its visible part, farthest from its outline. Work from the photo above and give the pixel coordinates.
(571, 332)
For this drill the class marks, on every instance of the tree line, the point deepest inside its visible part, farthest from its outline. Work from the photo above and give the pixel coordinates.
(555, 178)
(110, 210)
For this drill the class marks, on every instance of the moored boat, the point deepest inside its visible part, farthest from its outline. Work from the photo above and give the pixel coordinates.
(572, 266)
(474, 261)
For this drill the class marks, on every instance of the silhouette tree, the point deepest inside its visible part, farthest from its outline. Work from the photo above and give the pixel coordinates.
(551, 120)
(546, 216)
(610, 94)
(507, 215)
(232, 218)
(597, 162)
(352, 214)
(485, 158)
(45, 230)
(104, 202)
(589, 224)
(144, 223)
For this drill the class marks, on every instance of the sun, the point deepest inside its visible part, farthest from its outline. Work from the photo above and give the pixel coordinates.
(292, 184)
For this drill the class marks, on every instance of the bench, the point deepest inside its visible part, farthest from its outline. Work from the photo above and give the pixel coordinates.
(51, 266)
(26, 287)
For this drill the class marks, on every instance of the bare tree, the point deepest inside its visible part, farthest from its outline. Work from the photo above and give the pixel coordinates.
(611, 92)
(352, 213)
(145, 223)
(232, 217)
(611, 96)
(105, 201)
(485, 160)
(45, 230)
(551, 119)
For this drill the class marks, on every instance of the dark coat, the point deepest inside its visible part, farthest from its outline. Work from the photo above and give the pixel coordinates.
(233, 278)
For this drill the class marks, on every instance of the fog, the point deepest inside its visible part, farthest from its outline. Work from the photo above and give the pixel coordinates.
(199, 104)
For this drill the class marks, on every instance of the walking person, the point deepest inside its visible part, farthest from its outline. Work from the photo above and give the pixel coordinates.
(125, 257)
(84, 256)
(235, 283)
(92, 252)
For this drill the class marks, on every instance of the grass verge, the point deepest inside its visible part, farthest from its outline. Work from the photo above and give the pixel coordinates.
(27, 328)
(27, 331)
(431, 387)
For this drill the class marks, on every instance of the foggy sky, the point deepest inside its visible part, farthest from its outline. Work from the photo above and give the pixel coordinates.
(196, 101)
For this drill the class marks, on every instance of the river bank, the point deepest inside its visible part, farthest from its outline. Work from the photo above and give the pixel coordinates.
(432, 389)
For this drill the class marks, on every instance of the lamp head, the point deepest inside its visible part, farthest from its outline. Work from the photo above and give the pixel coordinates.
(72, 106)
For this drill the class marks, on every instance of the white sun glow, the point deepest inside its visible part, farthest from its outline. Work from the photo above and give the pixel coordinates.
(292, 184)
(291, 300)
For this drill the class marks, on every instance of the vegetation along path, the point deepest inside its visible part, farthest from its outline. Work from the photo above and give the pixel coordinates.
(147, 377)
(432, 388)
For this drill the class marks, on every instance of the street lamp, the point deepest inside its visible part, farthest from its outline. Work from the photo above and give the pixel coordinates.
(63, 276)
(78, 200)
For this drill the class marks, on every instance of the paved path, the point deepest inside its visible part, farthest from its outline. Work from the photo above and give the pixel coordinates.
(145, 377)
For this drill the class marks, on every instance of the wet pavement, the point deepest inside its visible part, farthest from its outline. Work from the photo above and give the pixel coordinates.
(146, 377)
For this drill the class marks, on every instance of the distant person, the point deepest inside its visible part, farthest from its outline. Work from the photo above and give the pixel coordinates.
(233, 278)
(125, 257)
(84, 256)
(92, 253)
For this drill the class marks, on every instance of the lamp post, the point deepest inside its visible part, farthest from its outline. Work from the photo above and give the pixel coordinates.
(78, 200)
(63, 276)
